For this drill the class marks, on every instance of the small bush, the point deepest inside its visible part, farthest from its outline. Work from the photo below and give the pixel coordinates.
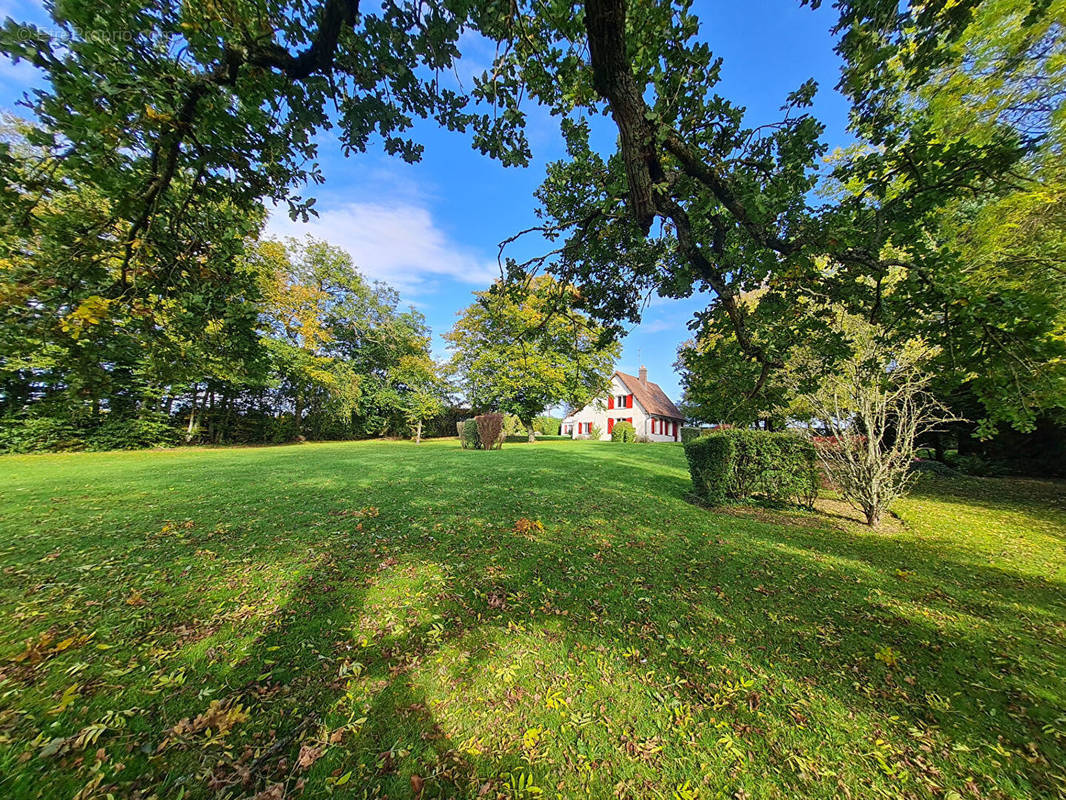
(39, 435)
(596, 433)
(777, 467)
(978, 467)
(490, 430)
(922, 465)
(134, 433)
(623, 432)
(469, 437)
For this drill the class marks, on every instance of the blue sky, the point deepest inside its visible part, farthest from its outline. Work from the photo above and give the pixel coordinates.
(432, 229)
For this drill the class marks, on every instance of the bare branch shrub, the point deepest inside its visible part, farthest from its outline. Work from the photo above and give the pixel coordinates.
(873, 407)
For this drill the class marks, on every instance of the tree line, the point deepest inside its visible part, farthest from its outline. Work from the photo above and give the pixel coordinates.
(943, 223)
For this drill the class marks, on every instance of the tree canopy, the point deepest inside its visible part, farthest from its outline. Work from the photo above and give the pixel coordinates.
(517, 352)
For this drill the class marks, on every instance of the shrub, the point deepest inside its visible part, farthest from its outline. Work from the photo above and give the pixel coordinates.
(469, 437)
(971, 464)
(623, 432)
(689, 433)
(596, 433)
(710, 463)
(490, 430)
(512, 426)
(549, 426)
(740, 464)
(134, 433)
(39, 435)
(924, 465)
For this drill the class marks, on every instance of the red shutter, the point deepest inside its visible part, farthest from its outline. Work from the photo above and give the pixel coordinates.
(610, 402)
(610, 425)
(629, 401)
(654, 422)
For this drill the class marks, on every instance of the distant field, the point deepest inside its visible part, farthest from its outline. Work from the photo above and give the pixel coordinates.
(378, 618)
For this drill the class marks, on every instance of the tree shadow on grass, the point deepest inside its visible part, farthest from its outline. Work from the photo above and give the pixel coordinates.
(421, 631)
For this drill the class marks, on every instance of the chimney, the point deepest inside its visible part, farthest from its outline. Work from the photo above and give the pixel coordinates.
(643, 374)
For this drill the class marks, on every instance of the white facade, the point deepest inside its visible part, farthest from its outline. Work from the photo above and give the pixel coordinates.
(602, 414)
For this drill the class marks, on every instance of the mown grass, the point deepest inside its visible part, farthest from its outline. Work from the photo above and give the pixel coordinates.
(367, 620)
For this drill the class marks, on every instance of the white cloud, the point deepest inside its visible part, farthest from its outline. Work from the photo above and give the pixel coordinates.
(397, 242)
(660, 325)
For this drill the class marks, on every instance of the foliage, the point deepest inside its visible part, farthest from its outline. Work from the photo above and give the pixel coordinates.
(738, 464)
(38, 434)
(549, 426)
(623, 432)
(147, 430)
(226, 103)
(874, 408)
(490, 431)
(309, 594)
(595, 433)
(922, 465)
(470, 437)
(688, 433)
(972, 464)
(710, 463)
(524, 349)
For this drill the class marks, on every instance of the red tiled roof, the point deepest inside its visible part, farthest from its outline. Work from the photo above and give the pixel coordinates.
(650, 396)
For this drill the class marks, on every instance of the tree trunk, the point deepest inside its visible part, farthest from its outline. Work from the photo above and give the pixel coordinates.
(938, 446)
(192, 415)
(418, 433)
(532, 433)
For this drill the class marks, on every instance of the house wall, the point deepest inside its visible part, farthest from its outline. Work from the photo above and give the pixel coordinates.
(597, 413)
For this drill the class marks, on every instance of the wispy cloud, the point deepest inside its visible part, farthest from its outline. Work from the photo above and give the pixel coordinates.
(398, 242)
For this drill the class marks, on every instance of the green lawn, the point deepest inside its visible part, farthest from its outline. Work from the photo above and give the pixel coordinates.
(339, 618)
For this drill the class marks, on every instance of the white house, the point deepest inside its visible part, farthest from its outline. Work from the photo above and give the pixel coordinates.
(633, 399)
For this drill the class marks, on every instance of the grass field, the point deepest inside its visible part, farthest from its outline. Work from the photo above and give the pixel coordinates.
(376, 619)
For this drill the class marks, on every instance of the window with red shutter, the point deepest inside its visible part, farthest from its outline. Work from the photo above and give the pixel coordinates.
(610, 402)
(629, 401)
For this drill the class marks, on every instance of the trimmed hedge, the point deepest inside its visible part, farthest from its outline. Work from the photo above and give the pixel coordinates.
(740, 464)
(689, 433)
(469, 437)
(623, 432)
(710, 463)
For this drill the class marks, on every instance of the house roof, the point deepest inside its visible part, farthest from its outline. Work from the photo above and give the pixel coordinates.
(650, 396)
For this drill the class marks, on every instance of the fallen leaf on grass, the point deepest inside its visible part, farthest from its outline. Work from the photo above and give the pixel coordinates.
(309, 754)
(273, 792)
(135, 599)
(417, 785)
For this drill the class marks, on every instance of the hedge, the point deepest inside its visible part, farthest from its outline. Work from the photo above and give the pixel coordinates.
(740, 464)
(689, 433)
(710, 463)
(623, 432)
(469, 437)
